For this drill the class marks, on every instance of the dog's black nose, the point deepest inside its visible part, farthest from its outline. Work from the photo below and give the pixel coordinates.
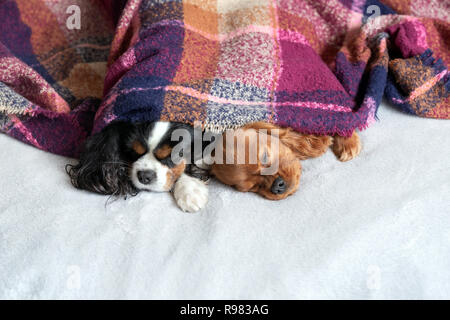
(278, 186)
(146, 176)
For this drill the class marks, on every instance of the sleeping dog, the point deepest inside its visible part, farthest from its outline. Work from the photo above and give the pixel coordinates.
(125, 158)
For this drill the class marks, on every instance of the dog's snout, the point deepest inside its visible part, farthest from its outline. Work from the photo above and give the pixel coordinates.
(146, 176)
(278, 186)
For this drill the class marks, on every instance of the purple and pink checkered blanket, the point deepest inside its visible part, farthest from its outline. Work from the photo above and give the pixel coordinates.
(70, 67)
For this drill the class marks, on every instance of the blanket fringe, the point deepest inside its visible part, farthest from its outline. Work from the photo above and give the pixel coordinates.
(439, 66)
(429, 61)
(219, 128)
(11, 110)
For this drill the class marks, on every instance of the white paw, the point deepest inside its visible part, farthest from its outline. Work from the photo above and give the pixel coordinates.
(191, 194)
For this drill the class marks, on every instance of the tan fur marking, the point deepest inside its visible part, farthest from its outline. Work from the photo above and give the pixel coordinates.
(173, 174)
(138, 147)
(163, 152)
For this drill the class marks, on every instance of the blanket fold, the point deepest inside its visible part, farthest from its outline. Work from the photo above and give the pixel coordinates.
(318, 66)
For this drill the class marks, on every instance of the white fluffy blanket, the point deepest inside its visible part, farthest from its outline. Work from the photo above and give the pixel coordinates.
(376, 227)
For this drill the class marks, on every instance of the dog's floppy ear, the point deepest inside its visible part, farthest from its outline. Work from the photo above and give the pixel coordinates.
(102, 167)
(304, 146)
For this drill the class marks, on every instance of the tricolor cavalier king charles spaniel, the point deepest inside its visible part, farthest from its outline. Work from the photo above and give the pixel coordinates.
(125, 158)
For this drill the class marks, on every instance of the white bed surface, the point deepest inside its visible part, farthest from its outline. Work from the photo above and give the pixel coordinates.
(376, 227)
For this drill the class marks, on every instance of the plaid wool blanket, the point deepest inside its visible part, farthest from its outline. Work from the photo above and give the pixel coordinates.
(70, 67)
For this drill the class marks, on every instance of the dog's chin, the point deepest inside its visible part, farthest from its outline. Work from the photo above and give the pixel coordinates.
(153, 187)
(159, 185)
(156, 189)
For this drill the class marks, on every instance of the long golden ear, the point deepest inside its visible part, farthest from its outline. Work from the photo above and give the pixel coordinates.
(304, 146)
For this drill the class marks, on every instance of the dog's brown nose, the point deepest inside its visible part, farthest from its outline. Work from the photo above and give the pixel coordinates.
(146, 176)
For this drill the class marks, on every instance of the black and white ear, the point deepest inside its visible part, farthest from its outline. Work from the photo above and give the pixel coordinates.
(102, 167)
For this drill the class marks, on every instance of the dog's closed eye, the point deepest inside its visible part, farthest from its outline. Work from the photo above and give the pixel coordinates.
(265, 159)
